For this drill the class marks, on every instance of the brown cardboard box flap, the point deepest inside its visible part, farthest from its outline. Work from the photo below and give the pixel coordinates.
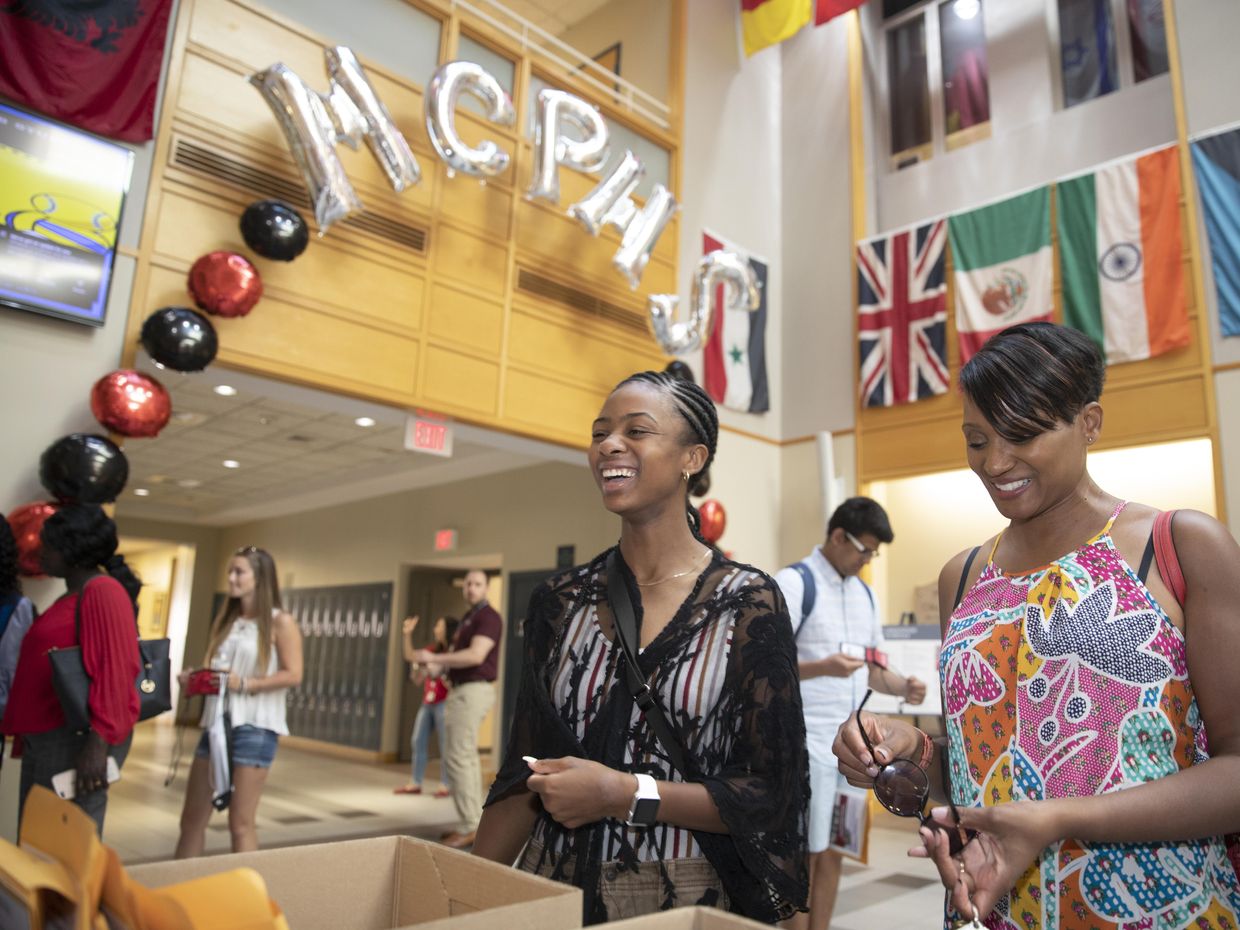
(390, 883)
(687, 918)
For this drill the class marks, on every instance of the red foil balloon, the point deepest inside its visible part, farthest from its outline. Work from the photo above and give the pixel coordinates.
(130, 403)
(714, 520)
(225, 284)
(26, 522)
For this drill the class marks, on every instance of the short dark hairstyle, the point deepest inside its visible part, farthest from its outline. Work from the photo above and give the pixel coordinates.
(859, 515)
(85, 537)
(1030, 378)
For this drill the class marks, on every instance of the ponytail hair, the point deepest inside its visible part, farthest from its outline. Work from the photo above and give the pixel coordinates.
(85, 537)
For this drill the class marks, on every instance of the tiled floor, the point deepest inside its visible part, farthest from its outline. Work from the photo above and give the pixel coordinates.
(313, 798)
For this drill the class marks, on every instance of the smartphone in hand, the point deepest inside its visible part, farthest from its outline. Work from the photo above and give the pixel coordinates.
(65, 783)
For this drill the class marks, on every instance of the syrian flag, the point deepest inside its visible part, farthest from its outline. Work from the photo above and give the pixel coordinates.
(735, 355)
(1121, 257)
(1003, 267)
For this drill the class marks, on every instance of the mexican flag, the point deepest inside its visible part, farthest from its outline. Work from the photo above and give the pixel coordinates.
(1121, 257)
(1003, 273)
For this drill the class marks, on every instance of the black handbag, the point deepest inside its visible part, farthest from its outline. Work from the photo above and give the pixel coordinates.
(72, 684)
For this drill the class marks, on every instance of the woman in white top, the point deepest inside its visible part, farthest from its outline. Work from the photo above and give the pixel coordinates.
(256, 646)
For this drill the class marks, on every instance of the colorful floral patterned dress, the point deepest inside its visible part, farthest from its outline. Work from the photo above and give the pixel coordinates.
(1070, 681)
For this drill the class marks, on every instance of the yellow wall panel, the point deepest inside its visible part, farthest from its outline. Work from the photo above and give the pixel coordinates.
(561, 411)
(574, 353)
(460, 382)
(469, 258)
(486, 206)
(300, 342)
(187, 228)
(461, 317)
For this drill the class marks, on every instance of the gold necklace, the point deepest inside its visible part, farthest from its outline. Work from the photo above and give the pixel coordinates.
(651, 584)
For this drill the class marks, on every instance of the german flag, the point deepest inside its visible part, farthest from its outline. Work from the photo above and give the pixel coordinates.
(767, 22)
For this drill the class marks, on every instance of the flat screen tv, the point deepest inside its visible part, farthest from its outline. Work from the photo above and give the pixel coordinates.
(61, 193)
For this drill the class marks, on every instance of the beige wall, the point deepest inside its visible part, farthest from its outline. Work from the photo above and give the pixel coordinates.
(643, 29)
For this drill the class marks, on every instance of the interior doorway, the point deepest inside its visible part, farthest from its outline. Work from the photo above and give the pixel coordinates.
(167, 573)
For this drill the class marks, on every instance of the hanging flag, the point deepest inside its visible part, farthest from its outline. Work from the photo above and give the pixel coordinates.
(734, 360)
(95, 65)
(1121, 257)
(1216, 163)
(902, 316)
(829, 9)
(768, 22)
(1002, 260)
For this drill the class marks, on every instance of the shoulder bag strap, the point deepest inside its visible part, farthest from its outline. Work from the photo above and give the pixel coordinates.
(626, 635)
(964, 576)
(1168, 560)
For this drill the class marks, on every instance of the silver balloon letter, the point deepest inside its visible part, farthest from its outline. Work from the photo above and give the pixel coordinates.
(552, 148)
(713, 269)
(385, 140)
(311, 135)
(609, 204)
(446, 86)
(642, 233)
(314, 123)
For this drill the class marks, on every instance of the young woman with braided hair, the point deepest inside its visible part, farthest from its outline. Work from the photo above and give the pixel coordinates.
(588, 793)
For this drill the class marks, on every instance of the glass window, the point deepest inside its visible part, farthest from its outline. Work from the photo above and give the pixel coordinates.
(501, 69)
(1149, 38)
(908, 92)
(962, 40)
(1086, 50)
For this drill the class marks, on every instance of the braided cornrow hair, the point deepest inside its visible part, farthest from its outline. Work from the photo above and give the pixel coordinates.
(698, 411)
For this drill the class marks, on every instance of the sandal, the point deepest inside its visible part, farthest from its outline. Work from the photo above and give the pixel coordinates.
(408, 789)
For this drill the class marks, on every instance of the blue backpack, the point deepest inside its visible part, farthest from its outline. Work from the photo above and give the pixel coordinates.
(809, 593)
(7, 606)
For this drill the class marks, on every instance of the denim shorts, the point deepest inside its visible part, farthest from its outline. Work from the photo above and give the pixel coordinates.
(251, 746)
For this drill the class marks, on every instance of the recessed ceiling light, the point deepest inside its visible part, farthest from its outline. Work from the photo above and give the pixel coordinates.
(141, 492)
(225, 390)
(231, 463)
(364, 421)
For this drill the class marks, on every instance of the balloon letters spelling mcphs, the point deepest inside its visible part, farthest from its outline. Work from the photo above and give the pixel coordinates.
(314, 123)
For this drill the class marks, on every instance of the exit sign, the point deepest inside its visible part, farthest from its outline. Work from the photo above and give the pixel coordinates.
(432, 435)
(445, 540)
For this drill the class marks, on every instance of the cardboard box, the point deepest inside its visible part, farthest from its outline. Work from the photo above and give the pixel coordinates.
(687, 918)
(388, 883)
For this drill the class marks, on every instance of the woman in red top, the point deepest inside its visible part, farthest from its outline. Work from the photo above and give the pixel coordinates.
(77, 540)
(430, 714)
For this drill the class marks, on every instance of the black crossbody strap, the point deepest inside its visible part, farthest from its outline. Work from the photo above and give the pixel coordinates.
(626, 636)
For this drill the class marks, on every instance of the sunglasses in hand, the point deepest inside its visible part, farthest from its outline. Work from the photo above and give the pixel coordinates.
(903, 787)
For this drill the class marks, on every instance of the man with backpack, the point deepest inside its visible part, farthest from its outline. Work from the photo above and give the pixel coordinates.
(839, 640)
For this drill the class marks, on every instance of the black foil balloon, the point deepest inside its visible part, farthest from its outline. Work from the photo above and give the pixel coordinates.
(678, 369)
(180, 338)
(83, 468)
(275, 230)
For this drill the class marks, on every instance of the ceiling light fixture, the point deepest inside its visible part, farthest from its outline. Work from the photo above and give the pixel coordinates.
(225, 390)
(366, 422)
(188, 483)
(967, 9)
(231, 463)
(141, 492)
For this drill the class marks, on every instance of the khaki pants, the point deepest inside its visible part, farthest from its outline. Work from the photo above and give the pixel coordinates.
(463, 714)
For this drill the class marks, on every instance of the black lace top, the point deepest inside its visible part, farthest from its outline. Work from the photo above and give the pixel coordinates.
(725, 671)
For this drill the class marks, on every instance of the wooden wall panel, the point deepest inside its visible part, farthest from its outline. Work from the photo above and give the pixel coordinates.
(460, 317)
(460, 383)
(574, 354)
(480, 263)
(283, 338)
(562, 412)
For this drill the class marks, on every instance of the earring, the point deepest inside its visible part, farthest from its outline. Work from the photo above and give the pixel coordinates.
(1091, 439)
(685, 475)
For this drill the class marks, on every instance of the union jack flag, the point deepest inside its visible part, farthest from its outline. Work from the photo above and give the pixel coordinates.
(902, 316)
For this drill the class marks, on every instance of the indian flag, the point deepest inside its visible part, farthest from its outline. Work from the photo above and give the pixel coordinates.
(1002, 262)
(1121, 257)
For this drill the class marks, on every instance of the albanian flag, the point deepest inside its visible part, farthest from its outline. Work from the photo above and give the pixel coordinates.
(93, 64)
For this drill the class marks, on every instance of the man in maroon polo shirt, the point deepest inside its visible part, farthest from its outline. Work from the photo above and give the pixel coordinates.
(472, 666)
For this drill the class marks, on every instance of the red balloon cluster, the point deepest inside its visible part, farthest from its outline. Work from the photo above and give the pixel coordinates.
(714, 520)
(26, 522)
(225, 284)
(130, 403)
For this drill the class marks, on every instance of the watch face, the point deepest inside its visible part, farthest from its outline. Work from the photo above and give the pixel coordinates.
(645, 811)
